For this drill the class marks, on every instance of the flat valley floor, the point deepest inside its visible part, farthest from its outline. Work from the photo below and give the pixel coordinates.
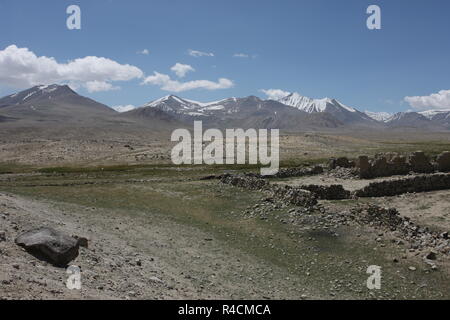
(159, 231)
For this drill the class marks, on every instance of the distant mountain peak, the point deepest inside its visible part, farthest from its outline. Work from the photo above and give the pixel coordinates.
(51, 101)
(310, 105)
(379, 116)
(430, 114)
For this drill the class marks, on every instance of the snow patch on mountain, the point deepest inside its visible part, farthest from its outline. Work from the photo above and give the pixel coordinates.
(431, 113)
(379, 116)
(312, 105)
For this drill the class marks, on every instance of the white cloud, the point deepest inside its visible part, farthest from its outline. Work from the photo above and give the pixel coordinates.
(440, 100)
(275, 94)
(181, 69)
(196, 53)
(145, 52)
(166, 83)
(97, 86)
(124, 108)
(22, 68)
(241, 55)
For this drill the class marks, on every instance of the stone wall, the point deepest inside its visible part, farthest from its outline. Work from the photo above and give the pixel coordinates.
(341, 162)
(417, 236)
(443, 162)
(421, 183)
(331, 192)
(389, 164)
(298, 172)
(292, 195)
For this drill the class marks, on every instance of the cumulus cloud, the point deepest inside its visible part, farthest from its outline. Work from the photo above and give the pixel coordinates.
(181, 69)
(275, 94)
(196, 53)
(144, 52)
(440, 100)
(22, 68)
(166, 83)
(124, 108)
(97, 86)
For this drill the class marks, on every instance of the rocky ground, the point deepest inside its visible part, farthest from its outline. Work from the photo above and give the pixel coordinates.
(112, 267)
(247, 245)
(162, 232)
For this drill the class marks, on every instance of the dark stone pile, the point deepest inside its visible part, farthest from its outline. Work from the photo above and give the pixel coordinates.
(298, 172)
(343, 173)
(245, 181)
(331, 192)
(287, 194)
(418, 237)
(295, 196)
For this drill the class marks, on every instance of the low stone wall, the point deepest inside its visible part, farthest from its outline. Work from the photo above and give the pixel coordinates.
(298, 172)
(341, 162)
(389, 164)
(421, 183)
(331, 192)
(417, 236)
(296, 196)
(245, 181)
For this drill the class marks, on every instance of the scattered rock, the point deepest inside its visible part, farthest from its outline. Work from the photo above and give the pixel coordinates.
(82, 241)
(155, 279)
(432, 255)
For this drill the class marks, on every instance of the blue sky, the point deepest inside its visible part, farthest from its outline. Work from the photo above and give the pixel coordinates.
(314, 47)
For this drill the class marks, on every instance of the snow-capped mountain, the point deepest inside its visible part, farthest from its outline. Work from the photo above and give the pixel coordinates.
(33, 94)
(436, 114)
(339, 110)
(312, 105)
(439, 119)
(253, 111)
(408, 119)
(51, 102)
(293, 112)
(295, 101)
(174, 104)
(379, 116)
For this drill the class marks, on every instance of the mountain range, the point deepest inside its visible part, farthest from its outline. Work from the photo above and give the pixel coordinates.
(294, 112)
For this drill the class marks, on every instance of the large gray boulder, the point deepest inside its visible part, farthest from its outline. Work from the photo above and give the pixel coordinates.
(49, 245)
